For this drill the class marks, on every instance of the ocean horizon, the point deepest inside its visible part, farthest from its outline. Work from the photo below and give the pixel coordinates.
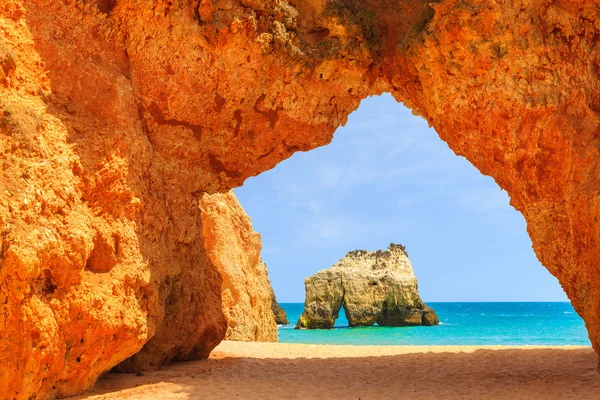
(461, 323)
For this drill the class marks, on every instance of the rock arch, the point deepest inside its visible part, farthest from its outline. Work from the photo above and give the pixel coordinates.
(116, 119)
(373, 288)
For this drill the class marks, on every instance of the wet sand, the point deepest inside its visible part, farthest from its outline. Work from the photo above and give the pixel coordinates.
(268, 371)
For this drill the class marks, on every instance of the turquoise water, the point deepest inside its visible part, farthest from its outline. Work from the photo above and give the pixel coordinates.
(461, 324)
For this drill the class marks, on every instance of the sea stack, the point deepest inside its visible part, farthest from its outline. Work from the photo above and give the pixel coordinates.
(373, 287)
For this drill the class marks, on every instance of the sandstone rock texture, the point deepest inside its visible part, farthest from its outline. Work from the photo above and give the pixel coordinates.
(373, 287)
(234, 248)
(278, 312)
(116, 117)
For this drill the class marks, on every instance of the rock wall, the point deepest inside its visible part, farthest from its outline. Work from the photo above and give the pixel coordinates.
(234, 248)
(117, 116)
(278, 312)
(373, 287)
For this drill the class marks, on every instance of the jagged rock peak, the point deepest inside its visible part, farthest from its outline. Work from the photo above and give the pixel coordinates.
(393, 248)
(394, 257)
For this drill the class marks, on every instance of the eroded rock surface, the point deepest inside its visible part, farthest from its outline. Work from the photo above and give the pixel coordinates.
(234, 249)
(117, 116)
(373, 287)
(278, 312)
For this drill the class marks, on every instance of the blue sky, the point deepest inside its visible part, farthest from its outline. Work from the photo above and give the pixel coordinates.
(387, 177)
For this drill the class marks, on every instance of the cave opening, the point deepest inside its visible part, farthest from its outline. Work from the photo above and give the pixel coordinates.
(387, 177)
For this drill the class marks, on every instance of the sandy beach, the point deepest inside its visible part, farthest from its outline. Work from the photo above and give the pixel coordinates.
(267, 371)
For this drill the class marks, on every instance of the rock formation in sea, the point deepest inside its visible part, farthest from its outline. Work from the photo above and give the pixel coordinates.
(372, 287)
(116, 117)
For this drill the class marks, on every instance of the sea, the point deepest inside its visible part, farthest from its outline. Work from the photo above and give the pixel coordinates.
(544, 324)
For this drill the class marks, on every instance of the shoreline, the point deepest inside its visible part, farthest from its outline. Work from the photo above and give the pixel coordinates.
(265, 371)
(473, 324)
(310, 350)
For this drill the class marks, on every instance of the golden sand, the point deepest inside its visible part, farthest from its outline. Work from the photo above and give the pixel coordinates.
(268, 371)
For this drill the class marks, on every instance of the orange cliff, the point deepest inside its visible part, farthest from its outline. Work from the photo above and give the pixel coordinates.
(234, 248)
(117, 117)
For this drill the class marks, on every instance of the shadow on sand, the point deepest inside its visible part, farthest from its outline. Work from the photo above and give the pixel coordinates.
(483, 374)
